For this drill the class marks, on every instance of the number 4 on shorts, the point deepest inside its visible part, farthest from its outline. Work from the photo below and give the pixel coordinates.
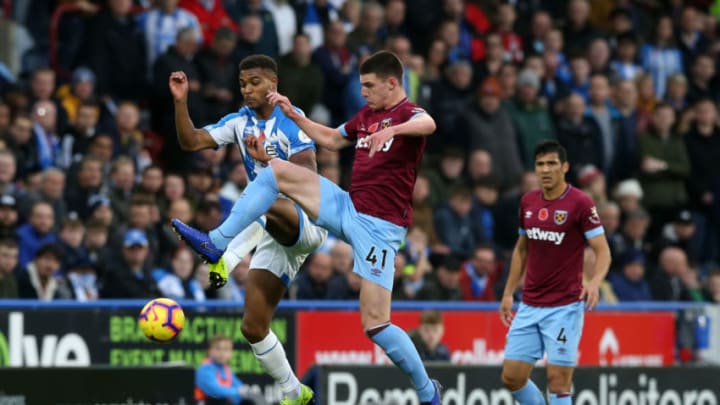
(561, 336)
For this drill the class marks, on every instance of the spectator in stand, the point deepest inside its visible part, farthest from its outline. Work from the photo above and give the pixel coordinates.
(337, 63)
(635, 232)
(140, 218)
(621, 23)
(578, 31)
(83, 280)
(116, 51)
(88, 182)
(46, 134)
(661, 57)
(530, 116)
(449, 96)
(675, 280)
(609, 214)
(479, 275)
(703, 147)
(628, 194)
(680, 232)
(285, 21)
(40, 278)
(80, 90)
(676, 94)
(581, 137)
(703, 80)
(633, 123)
(42, 88)
(482, 122)
(453, 223)
(479, 166)
(607, 117)
(96, 237)
(8, 268)
(630, 284)
(713, 286)
(211, 15)
(579, 79)
(122, 183)
(161, 27)
(484, 204)
(394, 24)
(367, 34)
(70, 241)
(443, 284)
(313, 283)
(494, 58)
(313, 19)
(512, 42)
(664, 168)
(447, 175)
(427, 338)
(219, 74)
(178, 281)
(302, 81)
(534, 43)
(215, 381)
(690, 38)
(599, 58)
(592, 182)
(22, 146)
(625, 67)
(266, 41)
(400, 46)
(151, 181)
(8, 171)
(8, 216)
(436, 59)
(508, 77)
(423, 214)
(37, 232)
(75, 143)
(129, 277)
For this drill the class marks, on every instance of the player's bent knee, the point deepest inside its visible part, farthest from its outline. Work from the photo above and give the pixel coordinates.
(513, 381)
(558, 382)
(253, 331)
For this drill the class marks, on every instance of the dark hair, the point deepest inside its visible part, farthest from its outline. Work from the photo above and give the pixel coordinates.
(431, 317)
(383, 64)
(152, 167)
(8, 242)
(260, 62)
(545, 147)
(50, 249)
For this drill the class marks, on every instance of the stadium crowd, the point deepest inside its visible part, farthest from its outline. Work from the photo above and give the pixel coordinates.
(91, 171)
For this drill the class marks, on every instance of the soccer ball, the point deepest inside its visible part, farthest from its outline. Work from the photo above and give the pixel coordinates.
(161, 320)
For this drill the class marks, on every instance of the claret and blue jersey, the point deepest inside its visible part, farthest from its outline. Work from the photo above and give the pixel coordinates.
(281, 137)
(557, 231)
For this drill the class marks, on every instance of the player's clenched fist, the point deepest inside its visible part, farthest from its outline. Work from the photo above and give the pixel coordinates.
(179, 86)
(506, 313)
(283, 102)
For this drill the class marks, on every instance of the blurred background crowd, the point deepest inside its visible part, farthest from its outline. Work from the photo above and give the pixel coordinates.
(91, 172)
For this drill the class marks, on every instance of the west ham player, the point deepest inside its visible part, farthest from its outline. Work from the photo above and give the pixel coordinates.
(290, 236)
(555, 224)
(389, 138)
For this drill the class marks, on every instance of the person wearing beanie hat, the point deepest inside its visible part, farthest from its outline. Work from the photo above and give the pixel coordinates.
(630, 284)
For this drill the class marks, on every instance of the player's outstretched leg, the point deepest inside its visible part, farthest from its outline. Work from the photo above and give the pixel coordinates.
(257, 198)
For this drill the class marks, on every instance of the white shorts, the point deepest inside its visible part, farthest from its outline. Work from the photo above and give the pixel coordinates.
(285, 261)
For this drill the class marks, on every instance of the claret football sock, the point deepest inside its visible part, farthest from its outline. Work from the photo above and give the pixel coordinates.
(257, 198)
(529, 395)
(271, 354)
(560, 399)
(402, 352)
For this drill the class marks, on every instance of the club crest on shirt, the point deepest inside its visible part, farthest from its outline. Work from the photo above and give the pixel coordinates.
(560, 217)
(386, 123)
(543, 214)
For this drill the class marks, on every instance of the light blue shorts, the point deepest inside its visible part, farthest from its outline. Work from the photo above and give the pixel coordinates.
(375, 242)
(555, 330)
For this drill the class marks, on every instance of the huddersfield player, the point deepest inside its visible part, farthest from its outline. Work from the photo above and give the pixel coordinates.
(289, 237)
(389, 137)
(555, 224)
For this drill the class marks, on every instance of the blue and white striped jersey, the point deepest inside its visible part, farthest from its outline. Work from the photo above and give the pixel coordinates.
(281, 137)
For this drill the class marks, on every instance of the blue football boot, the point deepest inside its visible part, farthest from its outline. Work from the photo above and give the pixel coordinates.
(198, 241)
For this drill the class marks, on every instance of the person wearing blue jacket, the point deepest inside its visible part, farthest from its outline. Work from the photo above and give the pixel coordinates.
(215, 383)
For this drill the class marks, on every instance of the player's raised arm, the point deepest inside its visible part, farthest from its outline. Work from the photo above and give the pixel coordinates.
(327, 137)
(189, 137)
(421, 124)
(517, 268)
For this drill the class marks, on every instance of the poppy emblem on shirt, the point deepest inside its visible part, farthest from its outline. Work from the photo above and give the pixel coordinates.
(543, 214)
(386, 123)
(560, 217)
(373, 127)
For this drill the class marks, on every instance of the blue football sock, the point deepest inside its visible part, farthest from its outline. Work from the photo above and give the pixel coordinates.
(402, 352)
(257, 198)
(560, 399)
(529, 395)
